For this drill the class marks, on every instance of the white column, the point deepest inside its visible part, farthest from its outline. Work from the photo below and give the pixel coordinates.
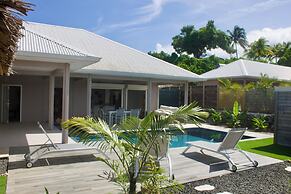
(89, 94)
(149, 96)
(51, 100)
(203, 96)
(125, 97)
(186, 93)
(66, 97)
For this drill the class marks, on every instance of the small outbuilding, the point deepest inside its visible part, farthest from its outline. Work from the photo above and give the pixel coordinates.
(208, 93)
(283, 116)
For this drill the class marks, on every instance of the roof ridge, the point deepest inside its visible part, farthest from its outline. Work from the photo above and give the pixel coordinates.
(243, 67)
(58, 43)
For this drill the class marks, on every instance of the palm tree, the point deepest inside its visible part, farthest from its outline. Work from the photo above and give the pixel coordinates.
(131, 141)
(10, 31)
(259, 50)
(238, 37)
(277, 52)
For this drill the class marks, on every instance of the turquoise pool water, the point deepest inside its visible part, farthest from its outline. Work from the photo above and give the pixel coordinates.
(179, 139)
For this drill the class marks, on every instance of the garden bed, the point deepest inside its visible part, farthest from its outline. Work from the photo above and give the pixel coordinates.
(3, 174)
(3, 165)
(267, 179)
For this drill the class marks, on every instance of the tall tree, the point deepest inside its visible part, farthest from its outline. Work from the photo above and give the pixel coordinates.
(286, 58)
(259, 50)
(10, 31)
(196, 42)
(238, 37)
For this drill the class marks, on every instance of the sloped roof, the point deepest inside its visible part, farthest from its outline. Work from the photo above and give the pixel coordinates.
(249, 69)
(116, 59)
(33, 42)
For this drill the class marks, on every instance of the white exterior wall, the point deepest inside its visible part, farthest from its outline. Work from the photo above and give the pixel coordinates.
(34, 96)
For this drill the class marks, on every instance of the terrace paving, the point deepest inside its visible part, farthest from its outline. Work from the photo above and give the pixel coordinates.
(79, 174)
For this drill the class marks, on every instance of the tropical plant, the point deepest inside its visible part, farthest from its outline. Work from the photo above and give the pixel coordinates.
(156, 182)
(259, 50)
(265, 82)
(131, 141)
(238, 37)
(235, 88)
(279, 50)
(10, 31)
(286, 58)
(215, 116)
(260, 122)
(197, 42)
(234, 116)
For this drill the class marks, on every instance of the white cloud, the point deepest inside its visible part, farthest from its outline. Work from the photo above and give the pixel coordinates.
(218, 52)
(145, 14)
(261, 6)
(166, 48)
(274, 36)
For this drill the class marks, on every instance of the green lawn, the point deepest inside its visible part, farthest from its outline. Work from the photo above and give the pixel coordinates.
(3, 182)
(267, 148)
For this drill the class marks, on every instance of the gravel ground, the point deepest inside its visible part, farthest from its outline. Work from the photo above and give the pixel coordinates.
(3, 165)
(272, 179)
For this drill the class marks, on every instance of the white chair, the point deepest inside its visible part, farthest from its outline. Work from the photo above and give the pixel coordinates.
(120, 115)
(159, 152)
(225, 148)
(135, 112)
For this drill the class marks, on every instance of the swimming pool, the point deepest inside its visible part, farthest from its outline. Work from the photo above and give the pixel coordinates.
(179, 139)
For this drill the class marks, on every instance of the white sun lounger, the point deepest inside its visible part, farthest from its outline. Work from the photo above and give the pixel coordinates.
(49, 147)
(225, 148)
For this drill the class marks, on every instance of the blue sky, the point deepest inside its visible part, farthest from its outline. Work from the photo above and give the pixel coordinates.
(148, 25)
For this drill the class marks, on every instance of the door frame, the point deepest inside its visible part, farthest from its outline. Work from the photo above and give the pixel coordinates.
(2, 101)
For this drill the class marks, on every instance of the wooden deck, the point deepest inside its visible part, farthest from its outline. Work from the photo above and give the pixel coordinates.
(79, 174)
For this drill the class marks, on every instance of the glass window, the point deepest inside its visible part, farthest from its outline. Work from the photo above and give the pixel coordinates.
(136, 100)
(106, 97)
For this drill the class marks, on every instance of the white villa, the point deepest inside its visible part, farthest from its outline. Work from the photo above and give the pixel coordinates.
(62, 72)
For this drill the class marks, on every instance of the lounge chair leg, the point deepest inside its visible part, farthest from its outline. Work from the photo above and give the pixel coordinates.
(186, 149)
(136, 169)
(254, 162)
(233, 166)
(170, 167)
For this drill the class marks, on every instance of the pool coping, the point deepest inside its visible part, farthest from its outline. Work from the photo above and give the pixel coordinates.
(254, 135)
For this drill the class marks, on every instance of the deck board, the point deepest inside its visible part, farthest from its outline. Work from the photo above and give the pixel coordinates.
(79, 174)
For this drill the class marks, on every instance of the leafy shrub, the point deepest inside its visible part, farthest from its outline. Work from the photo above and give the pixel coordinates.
(155, 182)
(260, 123)
(233, 117)
(215, 116)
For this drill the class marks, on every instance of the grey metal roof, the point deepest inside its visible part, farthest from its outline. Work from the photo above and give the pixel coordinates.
(251, 69)
(33, 42)
(116, 59)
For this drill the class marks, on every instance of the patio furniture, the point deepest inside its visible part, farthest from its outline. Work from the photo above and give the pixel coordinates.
(135, 112)
(159, 152)
(49, 147)
(120, 115)
(225, 148)
(113, 114)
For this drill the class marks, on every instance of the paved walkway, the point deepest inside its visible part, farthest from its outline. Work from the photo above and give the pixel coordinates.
(79, 174)
(24, 134)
